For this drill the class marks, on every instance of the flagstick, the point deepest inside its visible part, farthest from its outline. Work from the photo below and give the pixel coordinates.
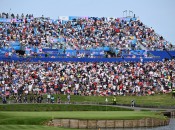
(106, 103)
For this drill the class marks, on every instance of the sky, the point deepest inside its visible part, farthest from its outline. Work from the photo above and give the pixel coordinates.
(158, 14)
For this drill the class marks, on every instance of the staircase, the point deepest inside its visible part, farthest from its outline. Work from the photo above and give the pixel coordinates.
(142, 47)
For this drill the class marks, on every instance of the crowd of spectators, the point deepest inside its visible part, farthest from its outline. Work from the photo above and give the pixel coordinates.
(13, 16)
(83, 78)
(80, 33)
(154, 41)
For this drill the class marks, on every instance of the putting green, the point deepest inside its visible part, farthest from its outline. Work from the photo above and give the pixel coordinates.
(36, 120)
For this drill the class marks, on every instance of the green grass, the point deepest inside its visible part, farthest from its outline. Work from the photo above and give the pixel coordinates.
(58, 107)
(38, 118)
(30, 127)
(157, 100)
(40, 113)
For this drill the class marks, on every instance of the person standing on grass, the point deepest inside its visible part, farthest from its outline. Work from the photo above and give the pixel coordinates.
(4, 101)
(132, 103)
(25, 98)
(48, 98)
(59, 100)
(173, 92)
(38, 98)
(68, 98)
(52, 99)
(114, 100)
(31, 98)
(41, 98)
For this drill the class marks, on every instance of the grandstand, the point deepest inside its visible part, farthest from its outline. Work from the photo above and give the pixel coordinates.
(71, 38)
(83, 56)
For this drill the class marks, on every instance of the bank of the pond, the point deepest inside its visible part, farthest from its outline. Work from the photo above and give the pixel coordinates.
(171, 126)
(93, 124)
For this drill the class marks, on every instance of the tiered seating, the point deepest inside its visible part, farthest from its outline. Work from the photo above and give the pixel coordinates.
(79, 36)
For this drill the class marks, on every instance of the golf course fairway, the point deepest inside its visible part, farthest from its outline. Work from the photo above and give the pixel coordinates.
(36, 120)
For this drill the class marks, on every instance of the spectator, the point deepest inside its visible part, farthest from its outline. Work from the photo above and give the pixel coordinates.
(86, 78)
(58, 100)
(68, 98)
(132, 103)
(173, 92)
(48, 97)
(52, 99)
(114, 100)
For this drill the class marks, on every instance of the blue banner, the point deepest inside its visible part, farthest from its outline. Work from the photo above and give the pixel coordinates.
(15, 59)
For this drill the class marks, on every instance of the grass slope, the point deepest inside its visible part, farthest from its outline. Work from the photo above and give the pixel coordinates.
(30, 127)
(38, 118)
(58, 107)
(156, 100)
(35, 120)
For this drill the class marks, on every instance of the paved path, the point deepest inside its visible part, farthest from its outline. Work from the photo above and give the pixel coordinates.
(145, 108)
(137, 108)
